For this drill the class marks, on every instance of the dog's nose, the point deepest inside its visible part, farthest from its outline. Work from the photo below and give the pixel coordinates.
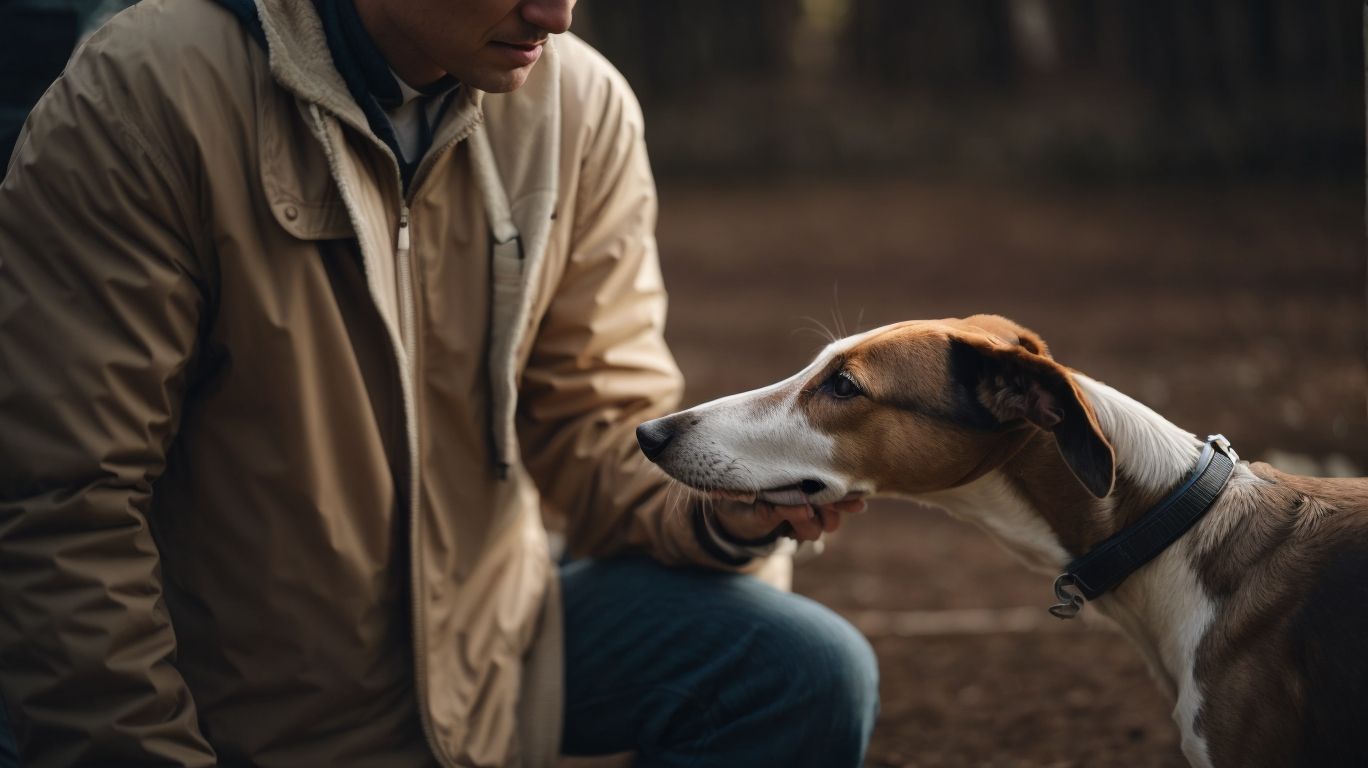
(653, 436)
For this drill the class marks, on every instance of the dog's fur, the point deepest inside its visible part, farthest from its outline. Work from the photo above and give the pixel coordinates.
(1255, 621)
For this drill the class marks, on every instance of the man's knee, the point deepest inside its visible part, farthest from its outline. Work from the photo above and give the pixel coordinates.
(841, 664)
(768, 677)
(828, 678)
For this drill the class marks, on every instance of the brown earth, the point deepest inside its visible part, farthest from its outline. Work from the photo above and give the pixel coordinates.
(1239, 310)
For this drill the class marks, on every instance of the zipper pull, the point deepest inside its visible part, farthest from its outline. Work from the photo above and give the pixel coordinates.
(403, 245)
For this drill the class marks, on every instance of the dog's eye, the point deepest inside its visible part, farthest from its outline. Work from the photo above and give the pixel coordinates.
(842, 386)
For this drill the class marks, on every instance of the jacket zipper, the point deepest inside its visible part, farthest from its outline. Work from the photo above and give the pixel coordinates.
(403, 248)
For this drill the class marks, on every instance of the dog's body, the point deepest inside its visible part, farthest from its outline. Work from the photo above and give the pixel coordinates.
(1255, 621)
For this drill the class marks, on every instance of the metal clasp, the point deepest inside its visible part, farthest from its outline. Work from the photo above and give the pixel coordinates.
(1220, 443)
(1070, 600)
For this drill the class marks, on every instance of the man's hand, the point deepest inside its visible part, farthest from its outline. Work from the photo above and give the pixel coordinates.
(806, 522)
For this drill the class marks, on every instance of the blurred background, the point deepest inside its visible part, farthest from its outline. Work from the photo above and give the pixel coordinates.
(1170, 192)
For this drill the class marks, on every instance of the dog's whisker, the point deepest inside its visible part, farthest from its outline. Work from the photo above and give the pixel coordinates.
(826, 332)
(836, 319)
(822, 335)
(673, 496)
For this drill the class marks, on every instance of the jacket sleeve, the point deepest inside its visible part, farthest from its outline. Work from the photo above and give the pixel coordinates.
(99, 306)
(600, 366)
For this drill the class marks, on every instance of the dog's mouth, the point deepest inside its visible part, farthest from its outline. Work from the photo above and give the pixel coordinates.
(791, 495)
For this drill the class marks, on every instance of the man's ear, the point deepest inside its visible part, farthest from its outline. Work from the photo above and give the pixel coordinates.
(1014, 383)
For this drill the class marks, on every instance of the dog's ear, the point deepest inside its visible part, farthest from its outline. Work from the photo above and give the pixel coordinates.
(1008, 331)
(1014, 383)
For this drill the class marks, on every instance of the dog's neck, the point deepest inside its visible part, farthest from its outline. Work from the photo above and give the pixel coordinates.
(1152, 454)
(1035, 506)
(1162, 606)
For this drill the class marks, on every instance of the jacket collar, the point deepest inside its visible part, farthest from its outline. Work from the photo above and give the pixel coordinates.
(374, 86)
(525, 146)
(361, 64)
(301, 61)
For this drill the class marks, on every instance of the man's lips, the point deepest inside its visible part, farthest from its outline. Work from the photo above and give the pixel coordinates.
(518, 54)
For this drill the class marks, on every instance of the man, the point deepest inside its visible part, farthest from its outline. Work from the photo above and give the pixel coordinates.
(305, 311)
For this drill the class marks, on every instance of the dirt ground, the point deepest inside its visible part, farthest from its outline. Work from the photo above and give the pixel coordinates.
(1239, 310)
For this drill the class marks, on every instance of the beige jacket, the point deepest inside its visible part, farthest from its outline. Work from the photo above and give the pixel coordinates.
(244, 516)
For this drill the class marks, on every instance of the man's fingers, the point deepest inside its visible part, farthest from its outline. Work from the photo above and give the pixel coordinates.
(849, 506)
(808, 530)
(806, 524)
(809, 522)
(831, 519)
(794, 514)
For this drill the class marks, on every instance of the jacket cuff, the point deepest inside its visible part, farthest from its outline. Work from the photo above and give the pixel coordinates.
(726, 548)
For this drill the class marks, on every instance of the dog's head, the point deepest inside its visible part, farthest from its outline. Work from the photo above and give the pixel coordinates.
(905, 410)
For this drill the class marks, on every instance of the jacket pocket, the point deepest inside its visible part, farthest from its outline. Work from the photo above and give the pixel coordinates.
(294, 171)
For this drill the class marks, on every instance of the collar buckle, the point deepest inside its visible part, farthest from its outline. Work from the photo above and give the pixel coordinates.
(1070, 599)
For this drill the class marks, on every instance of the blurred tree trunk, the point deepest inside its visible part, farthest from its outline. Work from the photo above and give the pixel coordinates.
(668, 46)
(932, 43)
(1240, 86)
(1200, 49)
(1078, 28)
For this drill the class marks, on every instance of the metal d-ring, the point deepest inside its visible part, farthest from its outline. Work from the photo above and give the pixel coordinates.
(1070, 600)
(1223, 445)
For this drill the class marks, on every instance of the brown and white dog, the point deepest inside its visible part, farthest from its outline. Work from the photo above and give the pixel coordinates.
(1255, 621)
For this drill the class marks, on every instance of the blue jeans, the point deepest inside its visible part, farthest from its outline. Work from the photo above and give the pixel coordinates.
(692, 668)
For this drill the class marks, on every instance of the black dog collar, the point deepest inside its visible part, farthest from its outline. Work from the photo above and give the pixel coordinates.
(1109, 563)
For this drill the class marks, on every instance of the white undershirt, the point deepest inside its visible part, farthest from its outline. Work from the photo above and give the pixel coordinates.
(406, 118)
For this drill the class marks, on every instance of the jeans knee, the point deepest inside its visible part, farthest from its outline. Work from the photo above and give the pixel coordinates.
(862, 675)
(832, 681)
(849, 674)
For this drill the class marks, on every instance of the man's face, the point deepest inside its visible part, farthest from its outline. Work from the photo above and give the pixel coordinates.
(491, 45)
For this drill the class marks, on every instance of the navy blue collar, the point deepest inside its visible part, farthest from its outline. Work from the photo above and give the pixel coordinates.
(355, 54)
(246, 12)
(1110, 562)
(368, 75)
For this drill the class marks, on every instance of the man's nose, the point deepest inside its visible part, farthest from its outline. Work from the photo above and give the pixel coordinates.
(552, 16)
(653, 436)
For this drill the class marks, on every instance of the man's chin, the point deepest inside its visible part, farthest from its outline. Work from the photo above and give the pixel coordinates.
(493, 80)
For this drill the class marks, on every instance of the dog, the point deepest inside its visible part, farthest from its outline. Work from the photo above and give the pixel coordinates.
(1244, 588)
